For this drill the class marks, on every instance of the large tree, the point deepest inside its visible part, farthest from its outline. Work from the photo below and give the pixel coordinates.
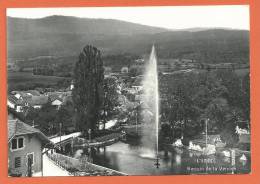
(88, 89)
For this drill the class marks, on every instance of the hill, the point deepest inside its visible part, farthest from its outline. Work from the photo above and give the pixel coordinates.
(63, 36)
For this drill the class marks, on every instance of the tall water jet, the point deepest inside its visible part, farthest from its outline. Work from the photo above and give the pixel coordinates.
(150, 106)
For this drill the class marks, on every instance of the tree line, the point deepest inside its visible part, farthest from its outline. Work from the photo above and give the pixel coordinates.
(221, 96)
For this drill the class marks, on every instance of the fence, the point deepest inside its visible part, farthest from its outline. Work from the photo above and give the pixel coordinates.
(81, 167)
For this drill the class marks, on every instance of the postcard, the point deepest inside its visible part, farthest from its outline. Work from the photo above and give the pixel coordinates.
(128, 91)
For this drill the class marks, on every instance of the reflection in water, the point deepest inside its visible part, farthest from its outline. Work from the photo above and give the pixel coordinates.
(129, 159)
(243, 162)
(178, 159)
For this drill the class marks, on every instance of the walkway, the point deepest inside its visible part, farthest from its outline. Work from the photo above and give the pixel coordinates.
(51, 169)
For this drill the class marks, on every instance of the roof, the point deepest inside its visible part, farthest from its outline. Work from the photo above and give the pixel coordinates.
(38, 100)
(54, 97)
(14, 100)
(17, 127)
(33, 92)
(22, 93)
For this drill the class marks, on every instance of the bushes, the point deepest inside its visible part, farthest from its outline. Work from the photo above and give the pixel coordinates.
(229, 136)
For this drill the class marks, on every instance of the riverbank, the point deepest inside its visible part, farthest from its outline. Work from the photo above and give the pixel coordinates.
(219, 151)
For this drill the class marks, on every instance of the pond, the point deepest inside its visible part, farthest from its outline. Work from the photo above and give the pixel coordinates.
(133, 159)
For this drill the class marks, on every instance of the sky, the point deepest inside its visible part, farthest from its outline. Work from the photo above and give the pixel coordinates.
(171, 17)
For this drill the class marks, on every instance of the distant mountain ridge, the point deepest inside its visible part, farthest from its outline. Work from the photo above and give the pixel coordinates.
(74, 25)
(66, 36)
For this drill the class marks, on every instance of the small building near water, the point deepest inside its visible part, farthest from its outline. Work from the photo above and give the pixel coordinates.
(25, 145)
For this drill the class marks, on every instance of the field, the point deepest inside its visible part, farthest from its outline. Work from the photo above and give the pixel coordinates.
(20, 80)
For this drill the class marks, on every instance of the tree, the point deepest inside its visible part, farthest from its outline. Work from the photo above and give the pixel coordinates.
(245, 87)
(111, 90)
(217, 111)
(65, 117)
(177, 103)
(46, 117)
(88, 93)
(228, 134)
(135, 70)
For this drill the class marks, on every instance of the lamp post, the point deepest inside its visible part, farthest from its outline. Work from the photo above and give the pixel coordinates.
(89, 137)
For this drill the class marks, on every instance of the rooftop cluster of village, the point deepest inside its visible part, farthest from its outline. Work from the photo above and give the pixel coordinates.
(19, 101)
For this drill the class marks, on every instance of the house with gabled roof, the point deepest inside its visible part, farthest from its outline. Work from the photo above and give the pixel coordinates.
(56, 101)
(25, 146)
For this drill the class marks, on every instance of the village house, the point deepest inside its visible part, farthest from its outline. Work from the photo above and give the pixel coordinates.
(15, 104)
(25, 94)
(19, 94)
(140, 61)
(124, 69)
(137, 84)
(18, 102)
(25, 146)
(107, 70)
(56, 101)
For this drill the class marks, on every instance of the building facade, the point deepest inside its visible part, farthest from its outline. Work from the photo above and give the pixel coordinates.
(25, 145)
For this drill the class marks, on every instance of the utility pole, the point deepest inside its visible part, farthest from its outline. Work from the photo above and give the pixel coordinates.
(72, 142)
(136, 114)
(60, 134)
(90, 149)
(207, 132)
(105, 111)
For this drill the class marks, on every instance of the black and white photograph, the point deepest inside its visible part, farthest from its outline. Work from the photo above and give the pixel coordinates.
(122, 91)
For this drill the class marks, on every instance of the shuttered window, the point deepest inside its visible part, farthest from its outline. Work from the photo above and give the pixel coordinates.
(17, 162)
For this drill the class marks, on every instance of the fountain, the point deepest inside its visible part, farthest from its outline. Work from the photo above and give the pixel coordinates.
(150, 103)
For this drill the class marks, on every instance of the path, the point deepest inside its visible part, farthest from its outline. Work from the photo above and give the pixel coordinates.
(51, 169)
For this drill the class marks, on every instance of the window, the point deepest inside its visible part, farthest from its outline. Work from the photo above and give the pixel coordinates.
(20, 142)
(17, 162)
(17, 143)
(14, 144)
